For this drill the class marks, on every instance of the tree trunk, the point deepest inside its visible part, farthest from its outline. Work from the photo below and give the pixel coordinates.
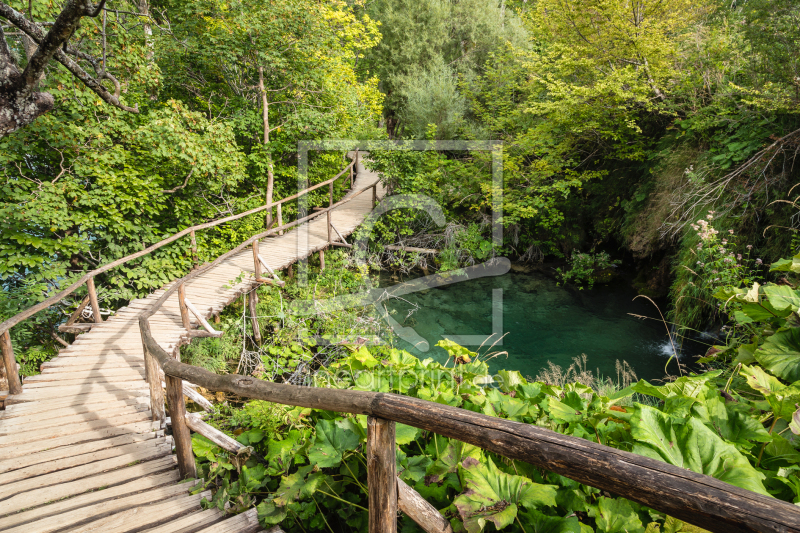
(20, 104)
(144, 9)
(270, 169)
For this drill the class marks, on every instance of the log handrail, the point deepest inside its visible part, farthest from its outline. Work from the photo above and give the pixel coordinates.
(86, 278)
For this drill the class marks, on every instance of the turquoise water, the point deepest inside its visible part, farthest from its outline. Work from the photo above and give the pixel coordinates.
(543, 322)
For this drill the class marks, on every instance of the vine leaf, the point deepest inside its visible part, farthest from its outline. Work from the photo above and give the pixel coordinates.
(494, 496)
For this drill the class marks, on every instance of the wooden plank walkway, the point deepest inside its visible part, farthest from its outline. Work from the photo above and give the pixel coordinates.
(78, 449)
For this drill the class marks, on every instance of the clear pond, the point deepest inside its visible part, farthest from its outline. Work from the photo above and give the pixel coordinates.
(543, 321)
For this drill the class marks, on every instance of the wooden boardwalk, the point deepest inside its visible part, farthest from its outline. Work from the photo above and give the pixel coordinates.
(78, 449)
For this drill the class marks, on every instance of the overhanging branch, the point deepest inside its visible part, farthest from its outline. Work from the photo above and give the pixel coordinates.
(51, 46)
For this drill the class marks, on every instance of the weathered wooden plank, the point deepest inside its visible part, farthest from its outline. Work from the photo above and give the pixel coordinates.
(151, 484)
(246, 522)
(190, 523)
(50, 410)
(11, 452)
(47, 494)
(48, 404)
(31, 472)
(52, 460)
(196, 424)
(142, 516)
(31, 423)
(43, 435)
(135, 364)
(132, 388)
(140, 453)
(381, 475)
(45, 383)
(93, 513)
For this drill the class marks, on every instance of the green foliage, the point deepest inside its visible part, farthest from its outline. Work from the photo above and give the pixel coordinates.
(585, 267)
(314, 466)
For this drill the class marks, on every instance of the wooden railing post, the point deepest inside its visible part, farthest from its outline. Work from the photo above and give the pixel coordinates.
(381, 475)
(321, 260)
(180, 431)
(330, 203)
(195, 259)
(93, 300)
(187, 324)
(256, 261)
(153, 375)
(12, 371)
(280, 217)
(354, 170)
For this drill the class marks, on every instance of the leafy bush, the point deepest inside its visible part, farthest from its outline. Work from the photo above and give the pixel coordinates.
(584, 268)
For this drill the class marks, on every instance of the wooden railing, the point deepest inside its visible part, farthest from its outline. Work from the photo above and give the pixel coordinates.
(8, 359)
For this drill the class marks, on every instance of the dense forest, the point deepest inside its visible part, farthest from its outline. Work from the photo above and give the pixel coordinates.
(654, 140)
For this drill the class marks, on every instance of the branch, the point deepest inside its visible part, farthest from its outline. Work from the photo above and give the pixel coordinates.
(63, 28)
(179, 187)
(35, 32)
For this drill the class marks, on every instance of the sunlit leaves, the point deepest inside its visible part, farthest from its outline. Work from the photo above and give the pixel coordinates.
(493, 496)
(688, 443)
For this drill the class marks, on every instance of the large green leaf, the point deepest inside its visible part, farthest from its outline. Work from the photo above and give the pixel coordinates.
(732, 422)
(615, 515)
(783, 297)
(688, 443)
(494, 496)
(686, 386)
(760, 380)
(786, 265)
(330, 444)
(780, 354)
(536, 522)
(780, 452)
(270, 514)
(571, 409)
(202, 447)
